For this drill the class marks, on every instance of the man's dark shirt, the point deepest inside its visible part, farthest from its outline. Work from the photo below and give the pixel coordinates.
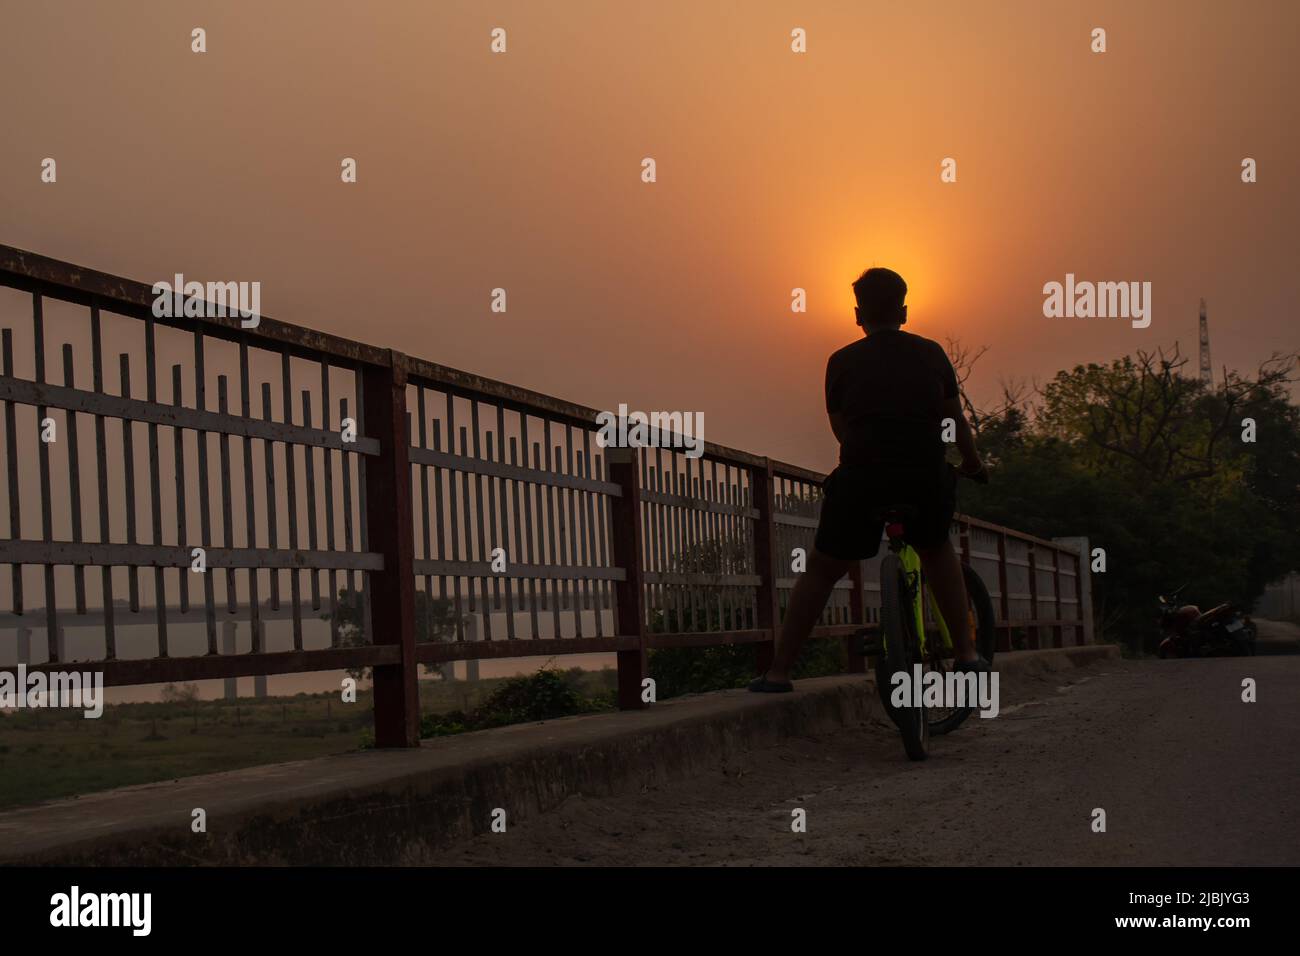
(890, 388)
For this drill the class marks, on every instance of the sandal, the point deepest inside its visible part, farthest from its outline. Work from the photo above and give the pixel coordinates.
(761, 685)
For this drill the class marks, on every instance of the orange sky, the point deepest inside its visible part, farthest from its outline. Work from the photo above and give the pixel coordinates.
(775, 170)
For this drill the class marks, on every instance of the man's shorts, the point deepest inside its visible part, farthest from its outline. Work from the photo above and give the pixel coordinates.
(857, 497)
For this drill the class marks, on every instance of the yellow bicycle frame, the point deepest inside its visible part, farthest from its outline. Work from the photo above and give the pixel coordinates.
(911, 562)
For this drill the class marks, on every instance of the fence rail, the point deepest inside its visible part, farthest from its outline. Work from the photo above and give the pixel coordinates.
(356, 507)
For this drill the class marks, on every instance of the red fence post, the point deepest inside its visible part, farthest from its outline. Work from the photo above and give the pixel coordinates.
(963, 550)
(1033, 597)
(1081, 631)
(629, 594)
(391, 533)
(1004, 637)
(1057, 633)
(763, 497)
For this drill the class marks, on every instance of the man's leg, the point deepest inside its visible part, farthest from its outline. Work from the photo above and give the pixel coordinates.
(807, 601)
(943, 575)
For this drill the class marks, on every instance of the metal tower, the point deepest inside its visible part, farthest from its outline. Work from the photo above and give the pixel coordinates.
(1207, 376)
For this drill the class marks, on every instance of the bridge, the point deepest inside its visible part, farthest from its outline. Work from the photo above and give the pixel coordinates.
(333, 550)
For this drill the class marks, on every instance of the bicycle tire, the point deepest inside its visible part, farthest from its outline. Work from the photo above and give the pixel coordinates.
(897, 631)
(986, 642)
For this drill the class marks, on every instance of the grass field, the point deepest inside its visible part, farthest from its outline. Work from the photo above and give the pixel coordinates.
(46, 754)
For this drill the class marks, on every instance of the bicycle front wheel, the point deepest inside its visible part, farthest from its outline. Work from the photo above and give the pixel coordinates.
(902, 650)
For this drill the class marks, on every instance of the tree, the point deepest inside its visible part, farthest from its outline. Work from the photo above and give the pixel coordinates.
(180, 693)
(999, 424)
(435, 620)
(1149, 463)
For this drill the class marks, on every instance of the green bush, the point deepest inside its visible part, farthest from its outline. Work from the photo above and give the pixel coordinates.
(696, 670)
(692, 670)
(545, 695)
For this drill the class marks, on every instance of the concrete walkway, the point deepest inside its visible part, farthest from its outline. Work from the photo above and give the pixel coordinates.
(401, 807)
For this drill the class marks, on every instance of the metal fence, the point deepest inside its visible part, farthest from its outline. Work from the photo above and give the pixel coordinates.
(464, 519)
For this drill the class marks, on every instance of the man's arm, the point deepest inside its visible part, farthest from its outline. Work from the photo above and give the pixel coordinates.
(838, 425)
(970, 456)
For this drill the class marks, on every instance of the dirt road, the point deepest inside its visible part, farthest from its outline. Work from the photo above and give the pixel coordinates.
(1186, 772)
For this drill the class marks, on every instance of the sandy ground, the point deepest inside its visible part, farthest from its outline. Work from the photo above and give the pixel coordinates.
(1186, 772)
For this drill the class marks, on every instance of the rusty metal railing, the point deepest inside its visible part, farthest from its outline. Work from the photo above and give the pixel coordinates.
(464, 519)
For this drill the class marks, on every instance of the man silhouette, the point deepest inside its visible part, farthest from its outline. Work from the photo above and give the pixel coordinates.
(887, 396)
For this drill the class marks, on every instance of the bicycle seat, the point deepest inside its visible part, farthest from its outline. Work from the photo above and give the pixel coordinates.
(896, 518)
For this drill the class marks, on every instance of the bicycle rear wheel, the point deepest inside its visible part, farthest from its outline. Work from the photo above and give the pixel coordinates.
(984, 624)
(902, 650)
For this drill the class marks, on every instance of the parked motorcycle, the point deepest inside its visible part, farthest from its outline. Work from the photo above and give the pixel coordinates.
(1225, 630)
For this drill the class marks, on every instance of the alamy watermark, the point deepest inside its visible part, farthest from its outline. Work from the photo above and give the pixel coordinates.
(39, 689)
(198, 300)
(1100, 300)
(978, 690)
(133, 911)
(624, 429)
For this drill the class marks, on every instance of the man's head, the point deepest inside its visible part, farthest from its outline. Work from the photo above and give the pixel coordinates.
(880, 294)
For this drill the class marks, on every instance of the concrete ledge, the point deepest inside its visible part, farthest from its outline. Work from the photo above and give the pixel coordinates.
(400, 807)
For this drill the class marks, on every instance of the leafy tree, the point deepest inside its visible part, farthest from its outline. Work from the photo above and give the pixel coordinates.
(180, 693)
(1148, 462)
(435, 620)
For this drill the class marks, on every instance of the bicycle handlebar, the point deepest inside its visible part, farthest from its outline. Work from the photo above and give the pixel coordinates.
(980, 477)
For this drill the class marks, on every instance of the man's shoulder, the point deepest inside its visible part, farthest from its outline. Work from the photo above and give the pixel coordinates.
(869, 345)
(847, 353)
(933, 351)
(921, 342)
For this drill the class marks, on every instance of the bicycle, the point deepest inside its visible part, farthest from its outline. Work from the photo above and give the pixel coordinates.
(903, 641)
